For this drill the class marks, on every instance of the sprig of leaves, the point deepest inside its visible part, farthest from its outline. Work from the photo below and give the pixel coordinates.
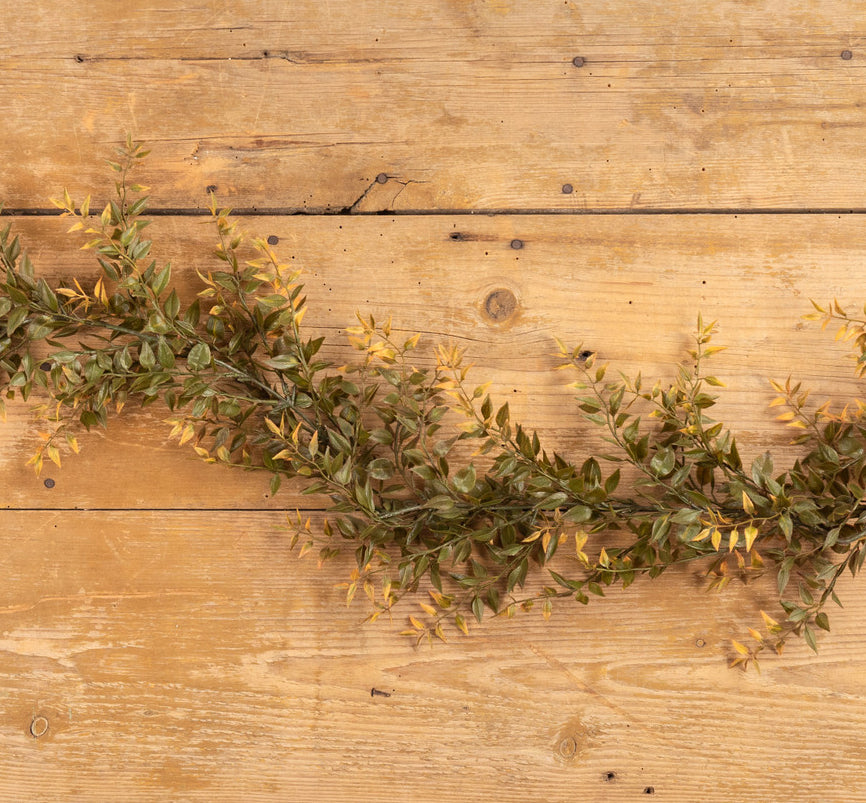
(440, 495)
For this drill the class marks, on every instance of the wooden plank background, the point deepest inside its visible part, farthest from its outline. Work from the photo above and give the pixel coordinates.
(652, 160)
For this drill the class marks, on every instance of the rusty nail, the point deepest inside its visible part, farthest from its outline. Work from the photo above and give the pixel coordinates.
(374, 692)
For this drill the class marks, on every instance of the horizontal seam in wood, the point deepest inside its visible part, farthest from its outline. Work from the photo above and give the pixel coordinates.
(290, 211)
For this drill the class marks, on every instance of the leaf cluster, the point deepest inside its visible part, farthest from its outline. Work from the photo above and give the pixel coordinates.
(386, 441)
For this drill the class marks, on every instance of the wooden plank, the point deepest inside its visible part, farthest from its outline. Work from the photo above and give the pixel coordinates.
(628, 288)
(178, 656)
(453, 105)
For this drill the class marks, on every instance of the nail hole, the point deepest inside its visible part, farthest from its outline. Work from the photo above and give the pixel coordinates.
(210, 188)
(567, 189)
(584, 355)
(517, 244)
(610, 777)
(273, 239)
(49, 483)
(578, 61)
(456, 236)
(38, 727)
(846, 55)
(80, 59)
(649, 790)
(700, 643)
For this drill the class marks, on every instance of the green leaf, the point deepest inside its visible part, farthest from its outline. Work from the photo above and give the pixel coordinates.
(381, 469)
(282, 362)
(146, 356)
(578, 514)
(199, 357)
(464, 480)
(165, 354)
(15, 319)
(161, 280)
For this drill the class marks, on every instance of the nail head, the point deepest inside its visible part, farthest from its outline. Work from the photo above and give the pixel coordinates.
(846, 55)
(578, 61)
(567, 189)
(49, 483)
(273, 239)
(382, 178)
(517, 244)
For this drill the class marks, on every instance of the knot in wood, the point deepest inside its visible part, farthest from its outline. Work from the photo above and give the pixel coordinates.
(500, 305)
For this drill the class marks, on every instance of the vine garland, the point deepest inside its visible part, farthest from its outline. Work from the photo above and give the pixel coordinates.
(380, 438)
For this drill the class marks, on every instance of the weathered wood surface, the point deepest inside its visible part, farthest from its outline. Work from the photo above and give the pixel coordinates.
(157, 639)
(460, 105)
(182, 657)
(628, 288)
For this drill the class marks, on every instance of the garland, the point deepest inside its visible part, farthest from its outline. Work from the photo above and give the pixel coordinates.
(382, 439)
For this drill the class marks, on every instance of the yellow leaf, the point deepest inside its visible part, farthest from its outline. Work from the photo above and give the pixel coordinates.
(716, 538)
(748, 505)
(53, 455)
(740, 648)
(460, 622)
(733, 539)
(769, 621)
(751, 533)
(429, 609)
(545, 540)
(755, 634)
(416, 624)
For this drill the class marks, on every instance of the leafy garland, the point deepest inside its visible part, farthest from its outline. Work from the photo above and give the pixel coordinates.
(245, 387)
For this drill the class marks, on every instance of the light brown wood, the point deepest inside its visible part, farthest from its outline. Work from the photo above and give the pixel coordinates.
(629, 288)
(173, 656)
(158, 641)
(459, 105)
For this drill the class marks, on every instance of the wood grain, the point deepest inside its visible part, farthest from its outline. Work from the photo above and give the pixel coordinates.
(629, 288)
(175, 657)
(158, 641)
(458, 105)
